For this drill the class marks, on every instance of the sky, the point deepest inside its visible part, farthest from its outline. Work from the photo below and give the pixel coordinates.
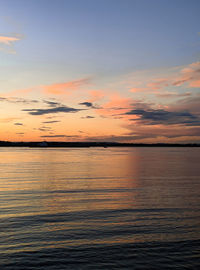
(100, 70)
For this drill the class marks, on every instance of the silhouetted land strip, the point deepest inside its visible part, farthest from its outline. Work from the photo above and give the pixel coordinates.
(91, 144)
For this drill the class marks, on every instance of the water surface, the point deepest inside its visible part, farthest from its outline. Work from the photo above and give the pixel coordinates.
(97, 208)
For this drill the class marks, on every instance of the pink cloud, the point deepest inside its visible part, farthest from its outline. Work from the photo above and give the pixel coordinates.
(65, 88)
(195, 83)
(138, 89)
(95, 95)
(8, 40)
(158, 84)
(7, 43)
(190, 76)
(116, 105)
(18, 92)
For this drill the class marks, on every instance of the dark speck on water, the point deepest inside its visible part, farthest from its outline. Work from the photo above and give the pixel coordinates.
(99, 208)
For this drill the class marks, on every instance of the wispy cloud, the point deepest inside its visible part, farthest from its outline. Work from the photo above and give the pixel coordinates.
(188, 76)
(59, 136)
(87, 117)
(62, 109)
(66, 87)
(8, 119)
(96, 95)
(145, 133)
(45, 129)
(18, 124)
(138, 89)
(51, 122)
(18, 100)
(87, 104)
(167, 94)
(52, 103)
(7, 42)
(18, 92)
(116, 105)
(190, 103)
(158, 84)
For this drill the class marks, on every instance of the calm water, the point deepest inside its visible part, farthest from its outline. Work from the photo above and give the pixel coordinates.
(96, 208)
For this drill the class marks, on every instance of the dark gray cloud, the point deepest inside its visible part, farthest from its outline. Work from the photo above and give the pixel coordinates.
(87, 104)
(173, 95)
(154, 117)
(19, 100)
(58, 136)
(61, 109)
(44, 128)
(52, 103)
(113, 138)
(142, 105)
(188, 104)
(51, 122)
(18, 124)
(53, 117)
(88, 117)
(150, 133)
(144, 132)
(20, 133)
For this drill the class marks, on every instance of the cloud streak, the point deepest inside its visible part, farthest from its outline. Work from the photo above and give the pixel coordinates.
(7, 42)
(18, 100)
(18, 124)
(66, 87)
(189, 76)
(61, 109)
(51, 122)
(58, 136)
(87, 104)
(88, 117)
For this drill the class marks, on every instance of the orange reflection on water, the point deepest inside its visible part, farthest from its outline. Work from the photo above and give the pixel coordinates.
(71, 179)
(92, 181)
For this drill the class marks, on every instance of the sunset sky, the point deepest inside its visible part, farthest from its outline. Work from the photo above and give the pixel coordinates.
(100, 70)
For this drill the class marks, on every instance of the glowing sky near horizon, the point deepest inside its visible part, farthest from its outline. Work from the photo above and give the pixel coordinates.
(100, 70)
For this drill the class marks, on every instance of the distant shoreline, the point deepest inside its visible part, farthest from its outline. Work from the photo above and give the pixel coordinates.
(46, 144)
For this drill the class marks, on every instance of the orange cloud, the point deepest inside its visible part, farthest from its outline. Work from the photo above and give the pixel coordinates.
(18, 92)
(138, 89)
(8, 119)
(195, 83)
(8, 40)
(115, 106)
(158, 84)
(6, 43)
(190, 75)
(64, 88)
(95, 95)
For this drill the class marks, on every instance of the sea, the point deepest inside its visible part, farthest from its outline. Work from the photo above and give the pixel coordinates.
(99, 208)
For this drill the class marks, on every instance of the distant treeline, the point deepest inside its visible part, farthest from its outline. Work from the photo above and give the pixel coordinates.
(91, 144)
